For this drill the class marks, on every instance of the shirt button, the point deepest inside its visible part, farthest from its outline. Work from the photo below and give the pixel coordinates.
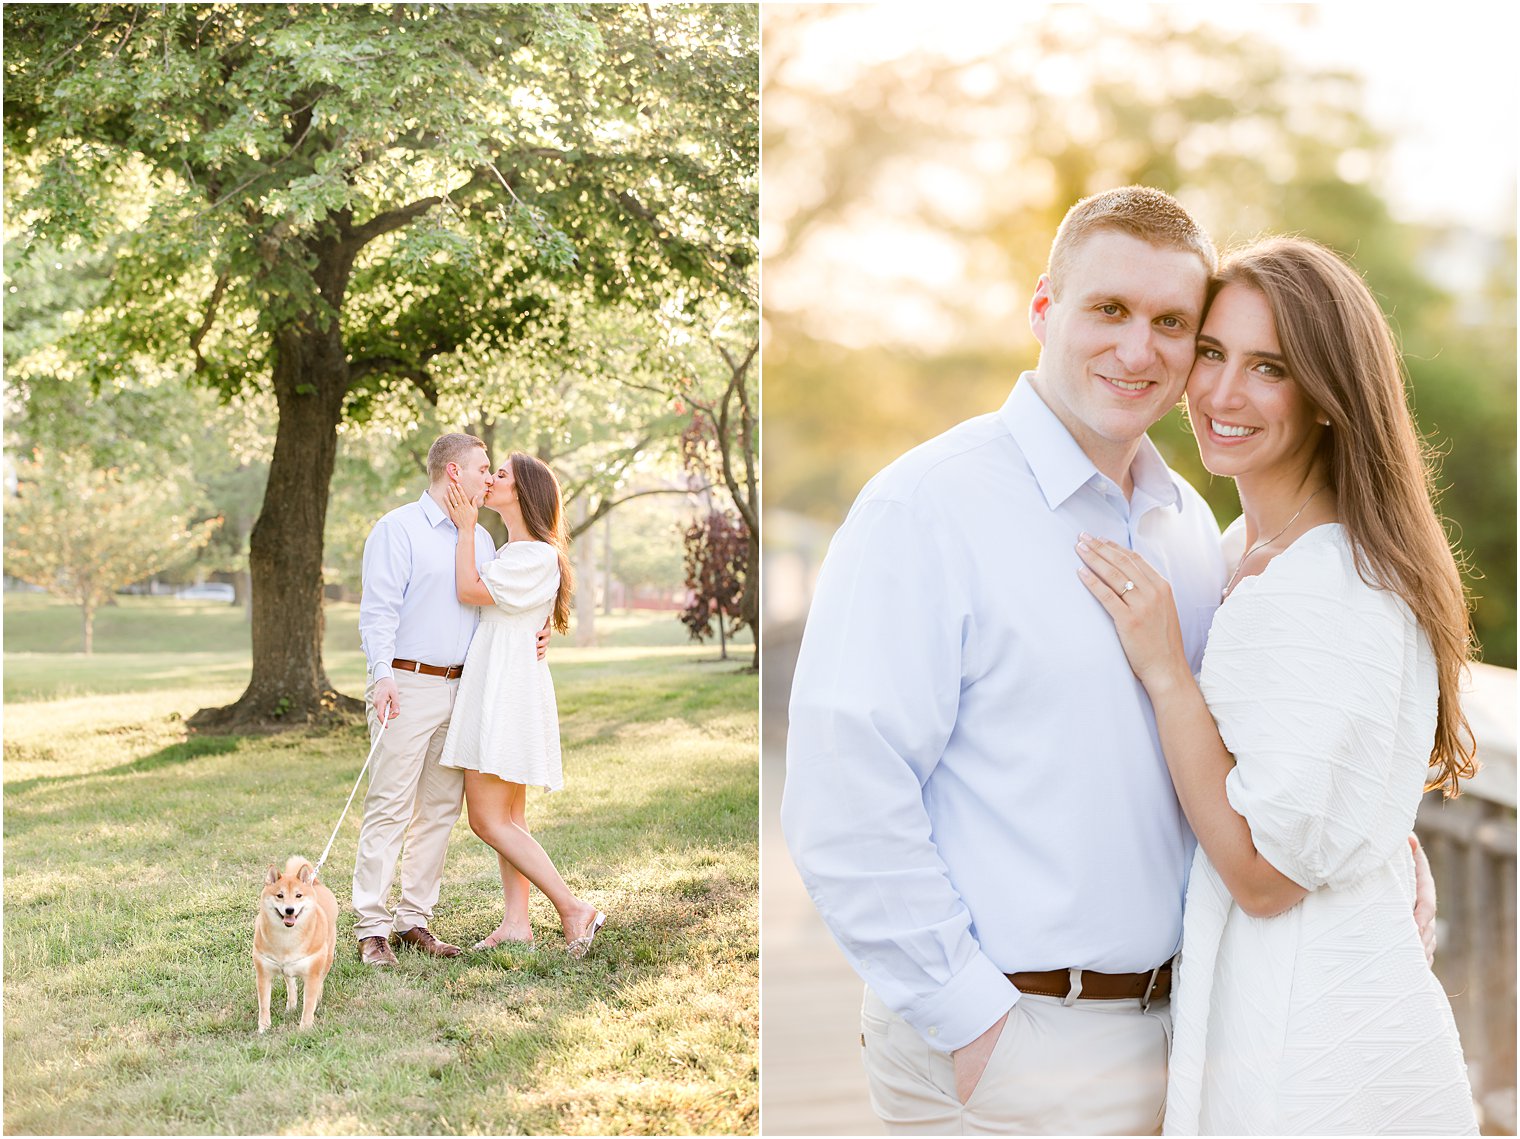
(934, 1030)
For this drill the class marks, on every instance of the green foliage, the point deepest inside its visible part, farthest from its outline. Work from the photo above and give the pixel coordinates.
(1251, 139)
(362, 206)
(592, 145)
(646, 544)
(84, 533)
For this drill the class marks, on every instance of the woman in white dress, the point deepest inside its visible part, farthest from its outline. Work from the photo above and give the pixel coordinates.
(504, 731)
(1326, 705)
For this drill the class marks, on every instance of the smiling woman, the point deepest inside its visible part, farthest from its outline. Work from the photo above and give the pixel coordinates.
(1253, 416)
(1302, 806)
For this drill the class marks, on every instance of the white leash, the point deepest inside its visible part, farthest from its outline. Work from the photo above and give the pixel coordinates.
(352, 793)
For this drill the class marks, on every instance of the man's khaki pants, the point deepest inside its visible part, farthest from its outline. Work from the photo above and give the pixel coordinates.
(410, 799)
(1087, 1068)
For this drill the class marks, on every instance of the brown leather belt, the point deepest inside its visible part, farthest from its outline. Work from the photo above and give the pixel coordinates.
(452, 672)
(1097, 986)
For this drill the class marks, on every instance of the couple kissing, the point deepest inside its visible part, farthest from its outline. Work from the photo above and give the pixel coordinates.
(455, 634)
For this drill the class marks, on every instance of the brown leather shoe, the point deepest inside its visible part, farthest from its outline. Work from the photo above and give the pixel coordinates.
(376, 951)
(420, 939)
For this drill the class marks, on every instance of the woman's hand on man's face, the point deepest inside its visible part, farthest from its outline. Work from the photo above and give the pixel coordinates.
(462, 509)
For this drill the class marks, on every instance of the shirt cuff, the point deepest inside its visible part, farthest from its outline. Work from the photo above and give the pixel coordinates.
(966, 1007)
(380, 671)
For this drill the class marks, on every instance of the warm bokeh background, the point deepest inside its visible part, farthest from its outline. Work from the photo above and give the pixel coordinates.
(915, 168)
(911, 195)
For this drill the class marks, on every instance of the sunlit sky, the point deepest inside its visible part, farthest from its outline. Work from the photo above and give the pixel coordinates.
(1440, 79)
(1443, 88)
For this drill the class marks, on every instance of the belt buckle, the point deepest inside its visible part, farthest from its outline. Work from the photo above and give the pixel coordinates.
(1150, 987)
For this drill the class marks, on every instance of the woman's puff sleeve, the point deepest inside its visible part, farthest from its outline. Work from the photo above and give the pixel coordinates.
(522, 576)
(1306, 675)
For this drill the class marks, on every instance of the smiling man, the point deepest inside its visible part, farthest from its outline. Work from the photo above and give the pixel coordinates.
(975, 794)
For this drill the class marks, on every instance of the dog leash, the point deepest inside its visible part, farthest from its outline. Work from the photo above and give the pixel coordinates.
(385, 716)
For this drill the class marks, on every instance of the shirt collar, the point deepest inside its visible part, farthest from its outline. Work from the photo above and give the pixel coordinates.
(1060, 465)
(434, 513)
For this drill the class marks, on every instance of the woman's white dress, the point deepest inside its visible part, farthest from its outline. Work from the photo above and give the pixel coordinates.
(1324, 1019)
(505, 721)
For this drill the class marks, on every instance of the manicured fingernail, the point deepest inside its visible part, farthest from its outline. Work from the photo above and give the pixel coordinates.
(1085, 536)
(1083, 546)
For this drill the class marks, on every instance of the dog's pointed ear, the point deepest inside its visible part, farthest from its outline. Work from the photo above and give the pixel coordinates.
(272, 876)
(305, 873)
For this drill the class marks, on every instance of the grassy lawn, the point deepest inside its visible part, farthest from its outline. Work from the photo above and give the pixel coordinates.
(134, 857)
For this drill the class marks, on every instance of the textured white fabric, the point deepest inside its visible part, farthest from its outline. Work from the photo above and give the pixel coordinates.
(505, 720)
(1324, 1019)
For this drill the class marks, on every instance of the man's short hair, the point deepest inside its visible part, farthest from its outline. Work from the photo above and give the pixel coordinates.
(450, 448)
(1140, 211)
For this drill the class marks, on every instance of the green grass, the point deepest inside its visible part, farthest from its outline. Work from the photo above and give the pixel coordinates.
(146, 644)
(134, 856)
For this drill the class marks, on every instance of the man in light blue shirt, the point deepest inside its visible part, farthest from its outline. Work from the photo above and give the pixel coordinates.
(415, 633)
(976, 797)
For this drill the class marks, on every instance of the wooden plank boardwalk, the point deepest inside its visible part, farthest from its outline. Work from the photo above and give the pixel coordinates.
(811, 1079)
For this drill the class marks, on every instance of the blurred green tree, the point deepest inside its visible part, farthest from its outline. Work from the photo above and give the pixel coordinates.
(334, 199)
(83, 532)
(989, 152)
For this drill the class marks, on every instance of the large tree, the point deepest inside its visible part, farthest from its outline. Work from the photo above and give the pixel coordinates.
(341, 200)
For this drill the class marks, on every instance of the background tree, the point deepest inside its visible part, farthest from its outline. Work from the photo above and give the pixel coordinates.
(719, 449)
(340, 200)
(646, 544)
(717, 553)
(969, 164)
(83, 533)
(732, 427)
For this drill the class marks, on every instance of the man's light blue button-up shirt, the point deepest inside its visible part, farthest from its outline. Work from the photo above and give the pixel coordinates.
(974, 782)
(409, 607)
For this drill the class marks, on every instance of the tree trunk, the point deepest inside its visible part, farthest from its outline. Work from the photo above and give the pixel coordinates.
(607, 563)
(749, 605)
(242, 580)
(89, 627)
(242, 594)
(583, 553)
(289, 684)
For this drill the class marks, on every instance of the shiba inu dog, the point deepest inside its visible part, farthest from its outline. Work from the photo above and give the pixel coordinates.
(295, 935)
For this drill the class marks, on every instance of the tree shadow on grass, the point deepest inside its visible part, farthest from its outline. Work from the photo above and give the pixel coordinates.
(193, 748)
(669, 933)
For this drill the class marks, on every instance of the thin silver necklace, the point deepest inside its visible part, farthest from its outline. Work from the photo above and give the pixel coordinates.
(1229, 585)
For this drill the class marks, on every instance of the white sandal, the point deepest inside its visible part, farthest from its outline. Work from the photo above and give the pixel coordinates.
(581, 945)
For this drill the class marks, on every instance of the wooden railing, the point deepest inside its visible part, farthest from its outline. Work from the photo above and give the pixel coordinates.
(1471, 844)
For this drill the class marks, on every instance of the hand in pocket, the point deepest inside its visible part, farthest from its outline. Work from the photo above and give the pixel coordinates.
(971, 1060)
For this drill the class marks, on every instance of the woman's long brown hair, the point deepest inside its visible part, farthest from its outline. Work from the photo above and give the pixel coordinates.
(1341, 352)
(544, 516)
